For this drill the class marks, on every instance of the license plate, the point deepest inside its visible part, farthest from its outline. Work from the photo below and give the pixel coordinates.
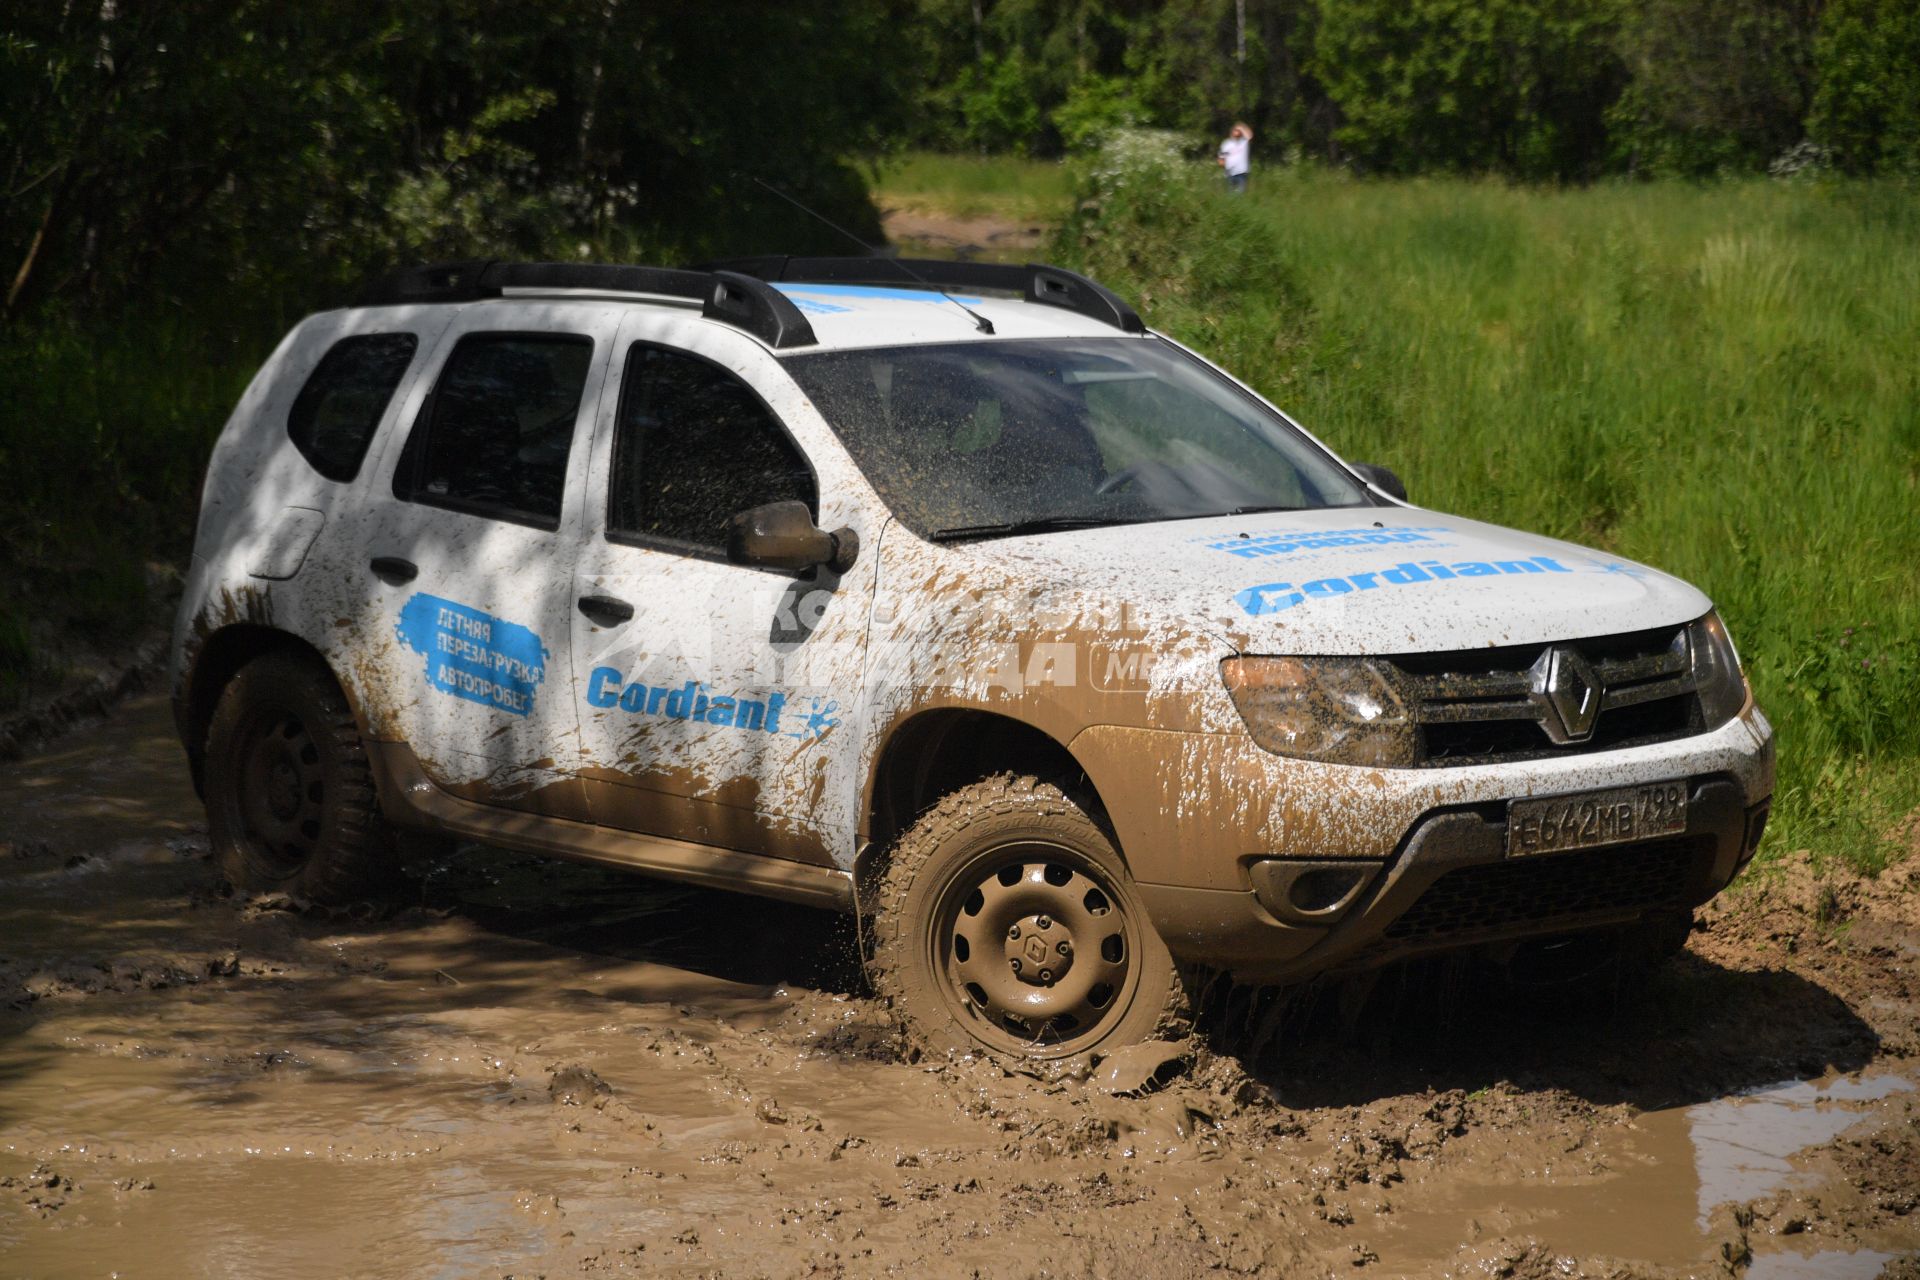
(1591, 819)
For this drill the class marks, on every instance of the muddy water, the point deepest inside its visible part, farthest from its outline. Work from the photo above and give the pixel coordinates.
(542, 1069)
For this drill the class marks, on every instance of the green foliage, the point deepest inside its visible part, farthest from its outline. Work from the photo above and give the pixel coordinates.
(1155, 228)
(199, 153)
(477, 195)
(1095, 108)
(1716, 85)
(103, 438)
(1535, 89)
(1717, 381)
(995, 102)
(1866, 109)
(1517, 86)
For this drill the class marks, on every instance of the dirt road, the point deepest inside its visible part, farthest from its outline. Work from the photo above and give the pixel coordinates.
(546, 1070)
(929, 233)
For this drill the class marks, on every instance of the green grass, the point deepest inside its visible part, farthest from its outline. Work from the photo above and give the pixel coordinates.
(976, 186)
(1718, 380)
(103, 440)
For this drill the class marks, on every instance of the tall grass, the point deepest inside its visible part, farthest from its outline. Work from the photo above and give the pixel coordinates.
(1722, 381)
(103, 439)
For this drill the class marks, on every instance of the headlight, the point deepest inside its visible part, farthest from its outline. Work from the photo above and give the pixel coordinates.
(1716, 671)
(1339, 710)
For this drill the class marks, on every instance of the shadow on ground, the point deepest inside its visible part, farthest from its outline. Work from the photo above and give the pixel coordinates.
(728, 937)
(1696, 1031)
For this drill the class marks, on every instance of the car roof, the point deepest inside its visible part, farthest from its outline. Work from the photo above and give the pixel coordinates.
(802, 304)
(851, 315)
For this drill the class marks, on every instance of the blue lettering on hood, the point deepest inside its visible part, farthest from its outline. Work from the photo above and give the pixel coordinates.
(1273, 597)
(1281, 542)
(474, 655)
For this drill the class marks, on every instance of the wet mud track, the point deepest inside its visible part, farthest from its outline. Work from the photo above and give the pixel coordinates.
(541, 1069)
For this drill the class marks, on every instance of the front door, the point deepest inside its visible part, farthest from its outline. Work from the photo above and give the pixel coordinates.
(718, 701)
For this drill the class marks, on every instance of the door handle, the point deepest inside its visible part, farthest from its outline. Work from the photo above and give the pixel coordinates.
(607, 611)
(394, 571)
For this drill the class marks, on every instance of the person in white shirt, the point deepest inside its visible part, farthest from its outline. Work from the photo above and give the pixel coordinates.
(1233, 157)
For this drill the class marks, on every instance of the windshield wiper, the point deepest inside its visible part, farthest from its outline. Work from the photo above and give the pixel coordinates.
(1013, 528)
(1258, 510)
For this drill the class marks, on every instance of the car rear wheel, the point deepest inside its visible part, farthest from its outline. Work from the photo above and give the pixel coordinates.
(290, 796)
(1006, 922)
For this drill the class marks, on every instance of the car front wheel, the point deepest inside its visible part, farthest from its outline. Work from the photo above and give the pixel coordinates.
(1006, 921)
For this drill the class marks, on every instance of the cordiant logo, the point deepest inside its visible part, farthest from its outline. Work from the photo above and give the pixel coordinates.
(1282, 542)
(1275, 596)
(693, 701)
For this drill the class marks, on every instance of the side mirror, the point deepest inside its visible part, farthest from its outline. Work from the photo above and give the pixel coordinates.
(782, 535)
(1381, 478)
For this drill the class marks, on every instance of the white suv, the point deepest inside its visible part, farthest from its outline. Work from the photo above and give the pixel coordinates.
(946, 594)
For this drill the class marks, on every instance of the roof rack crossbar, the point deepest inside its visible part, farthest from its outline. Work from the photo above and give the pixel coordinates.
(1035, 282)
(745, 302)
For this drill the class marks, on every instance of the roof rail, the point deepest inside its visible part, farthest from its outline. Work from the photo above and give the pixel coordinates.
(742, 301)
(1035, 282)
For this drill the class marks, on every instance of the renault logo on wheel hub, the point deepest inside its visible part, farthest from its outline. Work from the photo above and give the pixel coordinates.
(1568, 694)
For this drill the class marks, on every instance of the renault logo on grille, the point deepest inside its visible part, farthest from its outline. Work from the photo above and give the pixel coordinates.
(1567, 692)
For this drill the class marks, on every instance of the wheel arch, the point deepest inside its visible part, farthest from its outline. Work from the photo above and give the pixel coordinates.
(937, 751)
(219, 659)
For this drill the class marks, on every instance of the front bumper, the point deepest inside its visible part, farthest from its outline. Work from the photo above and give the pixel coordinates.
(1453, 887)
(1428, 847)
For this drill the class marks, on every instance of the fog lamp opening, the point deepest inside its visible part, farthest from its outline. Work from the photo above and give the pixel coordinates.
(1309, 892)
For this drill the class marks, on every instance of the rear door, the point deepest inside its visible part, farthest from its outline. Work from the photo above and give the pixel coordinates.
(467, 551)
(719, 703)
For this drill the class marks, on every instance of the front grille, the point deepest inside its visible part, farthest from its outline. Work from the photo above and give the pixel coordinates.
(1548, 889)
(1478, 706)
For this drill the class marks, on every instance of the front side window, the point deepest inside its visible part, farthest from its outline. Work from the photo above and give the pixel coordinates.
(984, 438)
(694, 446)
(334, 416)
(497, 433)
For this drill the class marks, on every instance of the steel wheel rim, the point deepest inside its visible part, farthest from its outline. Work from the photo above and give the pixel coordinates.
(1035, 950)
(282, 789)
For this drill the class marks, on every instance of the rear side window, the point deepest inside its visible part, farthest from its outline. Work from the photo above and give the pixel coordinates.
(497, 432)
(695, 445)
(334, 416)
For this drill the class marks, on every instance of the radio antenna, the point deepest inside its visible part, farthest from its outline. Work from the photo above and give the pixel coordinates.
(980, 322)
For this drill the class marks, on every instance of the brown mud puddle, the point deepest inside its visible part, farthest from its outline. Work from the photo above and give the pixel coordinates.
(542, 1069)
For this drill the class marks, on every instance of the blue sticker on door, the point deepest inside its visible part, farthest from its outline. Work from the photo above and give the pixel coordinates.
(474, 655)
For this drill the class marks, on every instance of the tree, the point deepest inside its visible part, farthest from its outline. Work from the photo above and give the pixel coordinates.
(1714, 84)
(1866, 107)
(1519, 86)
(216, 150)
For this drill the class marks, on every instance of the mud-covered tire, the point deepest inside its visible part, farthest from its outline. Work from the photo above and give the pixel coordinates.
(1004, 855)
(291, 806)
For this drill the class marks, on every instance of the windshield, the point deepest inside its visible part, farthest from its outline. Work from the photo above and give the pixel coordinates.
(976, 439)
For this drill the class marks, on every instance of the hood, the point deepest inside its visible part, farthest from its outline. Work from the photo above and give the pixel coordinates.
(1353, 580)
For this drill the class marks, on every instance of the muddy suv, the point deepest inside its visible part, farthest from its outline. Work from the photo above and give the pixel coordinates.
(948, 595)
